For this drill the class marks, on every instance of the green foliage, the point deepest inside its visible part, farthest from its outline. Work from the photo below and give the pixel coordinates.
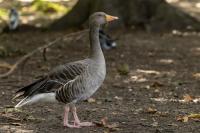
(45, 6)
(3, 13)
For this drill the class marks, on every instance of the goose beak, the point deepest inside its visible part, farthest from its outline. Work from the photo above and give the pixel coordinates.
(111, 18)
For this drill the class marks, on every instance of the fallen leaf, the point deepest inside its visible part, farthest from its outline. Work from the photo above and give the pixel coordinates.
(151, 110)
(166, 61)
(114, 113)
(91, 100)
(182, 118)
(162, 114)
(103, 123)
(118, 98)
(154, 124)
(194, 116)
(173, 124)
(187, 98)
(152, 72)
(157, 84)
(16, 124)
(185, 119)
(196, 75)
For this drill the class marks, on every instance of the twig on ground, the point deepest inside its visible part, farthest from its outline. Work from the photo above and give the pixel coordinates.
(44, 54)
(5, 65)
(28, 55)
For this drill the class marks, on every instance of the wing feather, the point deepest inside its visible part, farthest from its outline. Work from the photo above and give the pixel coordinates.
(54, 80)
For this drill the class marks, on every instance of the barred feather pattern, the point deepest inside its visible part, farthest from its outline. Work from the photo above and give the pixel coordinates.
(82, 86)
(54, 80)
(68, 72)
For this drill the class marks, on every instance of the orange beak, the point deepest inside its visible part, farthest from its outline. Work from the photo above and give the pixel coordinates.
(110, 18)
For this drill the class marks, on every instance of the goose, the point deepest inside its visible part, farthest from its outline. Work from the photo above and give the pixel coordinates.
(74, 81)
(106, 41)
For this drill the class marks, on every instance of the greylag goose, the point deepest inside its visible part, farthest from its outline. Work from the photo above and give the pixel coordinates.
(72, 82)
(106, 41)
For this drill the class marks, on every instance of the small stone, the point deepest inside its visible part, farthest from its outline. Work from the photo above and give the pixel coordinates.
(130, 90)
(99, 102)
(118, 98)
(91, 100)
(154, 124)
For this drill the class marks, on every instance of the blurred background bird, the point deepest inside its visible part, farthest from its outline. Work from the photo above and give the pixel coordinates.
(13, 19)
(106, 41)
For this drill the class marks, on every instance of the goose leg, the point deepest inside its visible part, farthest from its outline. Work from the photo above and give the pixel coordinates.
(66, 118)
(76, 119)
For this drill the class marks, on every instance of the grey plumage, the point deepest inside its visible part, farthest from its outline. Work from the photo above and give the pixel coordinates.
(70, 82)
(84, 83)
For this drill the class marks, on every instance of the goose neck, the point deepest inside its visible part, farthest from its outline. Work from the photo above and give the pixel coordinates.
(95, 48)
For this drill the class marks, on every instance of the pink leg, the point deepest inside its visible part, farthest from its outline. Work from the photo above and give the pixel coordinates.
(66, 118)
(77, 121)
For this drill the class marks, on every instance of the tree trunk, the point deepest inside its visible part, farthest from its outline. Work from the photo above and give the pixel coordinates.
(151, 15)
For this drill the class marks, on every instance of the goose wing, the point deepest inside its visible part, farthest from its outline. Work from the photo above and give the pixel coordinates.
(56, 78)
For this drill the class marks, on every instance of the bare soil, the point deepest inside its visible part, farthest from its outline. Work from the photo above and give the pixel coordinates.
(158, 66)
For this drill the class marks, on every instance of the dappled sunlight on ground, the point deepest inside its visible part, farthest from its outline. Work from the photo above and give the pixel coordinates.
(142, 76)
(195, 100)
(166, 61)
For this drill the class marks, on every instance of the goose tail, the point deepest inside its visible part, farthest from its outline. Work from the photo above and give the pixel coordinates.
(21, 103)
(43, 97)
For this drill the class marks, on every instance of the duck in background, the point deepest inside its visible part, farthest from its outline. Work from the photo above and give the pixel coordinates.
(106, 41)
(13, 19)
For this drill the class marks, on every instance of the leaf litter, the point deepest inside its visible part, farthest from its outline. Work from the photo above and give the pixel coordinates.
(104, 123)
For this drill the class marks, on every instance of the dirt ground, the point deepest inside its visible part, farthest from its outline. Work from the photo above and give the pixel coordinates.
(159, 66)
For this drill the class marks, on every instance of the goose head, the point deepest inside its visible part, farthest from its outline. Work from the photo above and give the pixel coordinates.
(100, 18)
